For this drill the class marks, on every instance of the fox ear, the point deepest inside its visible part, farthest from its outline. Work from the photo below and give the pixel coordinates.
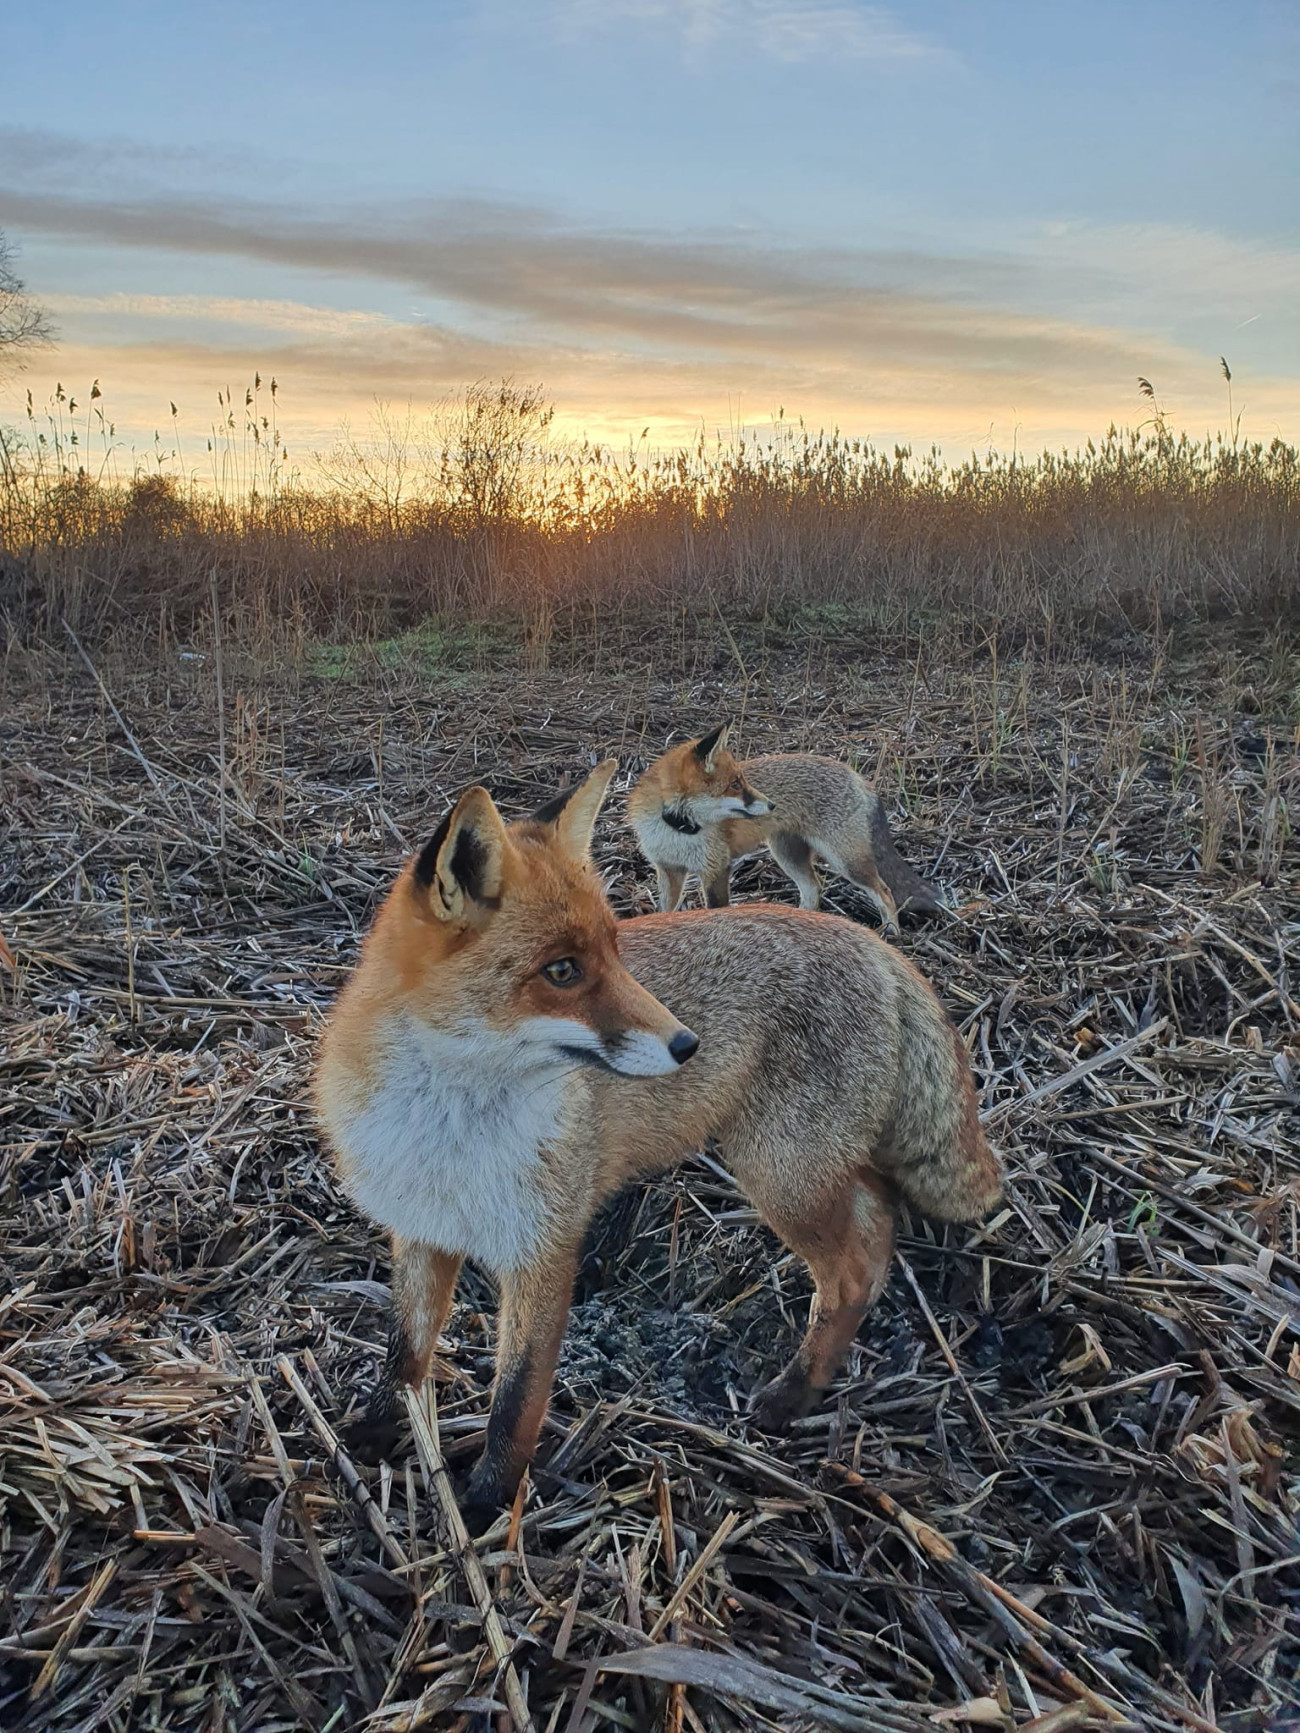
(707, 749)
(460, 866)
(573, 813)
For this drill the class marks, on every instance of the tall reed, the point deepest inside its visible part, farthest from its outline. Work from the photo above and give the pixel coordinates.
(482, 510)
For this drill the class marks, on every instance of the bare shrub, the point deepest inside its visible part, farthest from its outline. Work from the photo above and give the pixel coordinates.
(479, 509)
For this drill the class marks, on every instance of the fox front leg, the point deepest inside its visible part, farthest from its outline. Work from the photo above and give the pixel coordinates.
(424, 1285)
(717, 890)
(717, 878)
(671, 882)
(534, 1312)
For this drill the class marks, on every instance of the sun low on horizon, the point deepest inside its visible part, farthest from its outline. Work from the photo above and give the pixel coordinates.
(973, 228)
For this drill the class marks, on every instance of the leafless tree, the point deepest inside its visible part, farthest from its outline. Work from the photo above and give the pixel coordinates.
(23, 323)
(379, 469)
(494, 429)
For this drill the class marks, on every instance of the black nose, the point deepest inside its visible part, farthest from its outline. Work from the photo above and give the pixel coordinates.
(682, 1045)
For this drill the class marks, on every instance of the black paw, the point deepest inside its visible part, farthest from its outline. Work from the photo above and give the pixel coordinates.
(776, 1405)
(482, 1502)
(371, 1440)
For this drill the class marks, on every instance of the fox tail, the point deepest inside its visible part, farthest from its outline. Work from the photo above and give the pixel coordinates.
(937, 1154)
(910, 891)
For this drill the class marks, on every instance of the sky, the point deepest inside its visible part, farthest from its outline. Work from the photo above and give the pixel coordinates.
(973, 226)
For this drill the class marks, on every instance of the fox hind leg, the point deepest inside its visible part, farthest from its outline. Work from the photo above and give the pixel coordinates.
(861, 871)
(424, 1285)
(795, 856)
(847, 1244)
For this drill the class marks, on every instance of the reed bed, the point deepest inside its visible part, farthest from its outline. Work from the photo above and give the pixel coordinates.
(480, 511)
(1057, 1486)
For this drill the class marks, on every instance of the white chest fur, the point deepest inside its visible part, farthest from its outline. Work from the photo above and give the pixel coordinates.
(446, 1148)
(692, 852)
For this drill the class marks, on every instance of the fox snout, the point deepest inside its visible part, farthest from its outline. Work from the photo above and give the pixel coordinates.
(624, 1029)
(750, 803)
(643, 1053)
(652, 1041)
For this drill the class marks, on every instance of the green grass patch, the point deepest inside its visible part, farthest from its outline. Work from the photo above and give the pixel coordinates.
(435, 646)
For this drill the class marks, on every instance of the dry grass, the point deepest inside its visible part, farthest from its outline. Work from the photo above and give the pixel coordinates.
(1058, 1484)
(480, 513)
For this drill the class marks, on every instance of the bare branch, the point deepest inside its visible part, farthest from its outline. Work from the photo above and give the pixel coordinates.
(24, 324)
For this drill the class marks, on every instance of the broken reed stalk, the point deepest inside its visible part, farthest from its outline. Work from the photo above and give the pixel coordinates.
(421, 1409)
(714, 1545)
(221, 714)
(347, 1469)
(1010, 1614)
(107, 696)
(169, 1231)
(128, 944)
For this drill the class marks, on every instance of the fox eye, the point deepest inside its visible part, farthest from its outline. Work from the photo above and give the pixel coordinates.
(735, 783)
(563, 972)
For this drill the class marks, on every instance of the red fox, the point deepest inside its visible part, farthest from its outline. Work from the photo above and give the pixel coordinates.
(697, 809)
(506, 1057)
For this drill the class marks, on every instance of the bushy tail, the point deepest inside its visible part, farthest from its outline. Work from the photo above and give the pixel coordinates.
(910, 891)
(937, 1153)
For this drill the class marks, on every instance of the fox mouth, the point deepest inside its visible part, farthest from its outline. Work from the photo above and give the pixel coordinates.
(634, 1054)
(589, 1056)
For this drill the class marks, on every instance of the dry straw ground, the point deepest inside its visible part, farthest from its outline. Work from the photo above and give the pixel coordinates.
(1056, 1489)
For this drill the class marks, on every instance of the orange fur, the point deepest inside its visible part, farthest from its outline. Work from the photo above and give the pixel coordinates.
(480, 1109)
(697, 809)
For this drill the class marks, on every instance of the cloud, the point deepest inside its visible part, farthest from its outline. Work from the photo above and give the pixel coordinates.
(661, 297)
(1179, 272)
(1065, 295)
(40, 159)
(783, 30)
(273, 316)
(607, 393)
(626, 327)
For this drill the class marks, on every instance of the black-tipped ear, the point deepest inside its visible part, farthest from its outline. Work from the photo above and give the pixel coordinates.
(551, 809)
(573, 813)
(426, 861)
(709, 745)
(468, 861)
(460, 865)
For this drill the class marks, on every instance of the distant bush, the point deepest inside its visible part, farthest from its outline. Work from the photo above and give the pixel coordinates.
(481, 511)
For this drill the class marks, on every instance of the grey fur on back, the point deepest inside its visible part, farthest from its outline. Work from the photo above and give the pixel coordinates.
(844, 1053)
(828, 802)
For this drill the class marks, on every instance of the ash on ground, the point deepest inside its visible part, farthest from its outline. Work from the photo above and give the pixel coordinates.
(685, 1359)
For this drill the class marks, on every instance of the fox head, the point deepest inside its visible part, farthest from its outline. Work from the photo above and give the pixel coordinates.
(705, 783)
(507, 929)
